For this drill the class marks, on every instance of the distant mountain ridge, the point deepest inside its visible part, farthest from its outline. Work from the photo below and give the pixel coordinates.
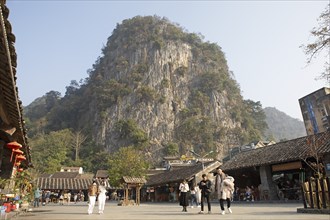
(281, 126)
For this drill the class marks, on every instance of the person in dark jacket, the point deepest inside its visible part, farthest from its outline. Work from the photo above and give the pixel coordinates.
(206, 187)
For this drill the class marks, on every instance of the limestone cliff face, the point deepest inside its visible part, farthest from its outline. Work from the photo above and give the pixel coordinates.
(165, 77)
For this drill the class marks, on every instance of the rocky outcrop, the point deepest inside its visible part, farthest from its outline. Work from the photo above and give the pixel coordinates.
(164, 80)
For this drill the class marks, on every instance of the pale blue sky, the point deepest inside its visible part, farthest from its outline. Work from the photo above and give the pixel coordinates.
(58, 41)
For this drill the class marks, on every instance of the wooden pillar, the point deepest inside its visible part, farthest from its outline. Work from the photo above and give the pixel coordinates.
(317, 192)
(311, 192)
(126, 195)
(137, 193)
(304, 193)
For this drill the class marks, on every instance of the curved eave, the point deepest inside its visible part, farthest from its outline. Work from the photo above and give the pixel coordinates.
(11, 108)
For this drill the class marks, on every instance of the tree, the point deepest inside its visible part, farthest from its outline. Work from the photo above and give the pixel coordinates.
(129, 133)
(321, 42)
(77, 139)
(171, 149)
(126, 162)
(313, 157)
(50, 151)
(52, 99)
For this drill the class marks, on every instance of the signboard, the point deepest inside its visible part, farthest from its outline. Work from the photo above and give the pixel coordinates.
(287, 166)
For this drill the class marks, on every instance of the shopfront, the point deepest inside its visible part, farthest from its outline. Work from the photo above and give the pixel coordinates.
(288, 178)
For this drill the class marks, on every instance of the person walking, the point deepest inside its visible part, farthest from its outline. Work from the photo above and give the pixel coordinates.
(224, 186)
(37, 195)
(92, 191)
(193, 198)
(184, 189)
(198, 196)
(102, 197)
(206, 187)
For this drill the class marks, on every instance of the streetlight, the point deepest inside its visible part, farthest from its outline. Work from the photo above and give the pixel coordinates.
(192, 151)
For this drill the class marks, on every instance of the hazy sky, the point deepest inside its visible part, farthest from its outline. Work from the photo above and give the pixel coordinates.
(58, 41)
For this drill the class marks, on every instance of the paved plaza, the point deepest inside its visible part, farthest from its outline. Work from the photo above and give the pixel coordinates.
(171, 211)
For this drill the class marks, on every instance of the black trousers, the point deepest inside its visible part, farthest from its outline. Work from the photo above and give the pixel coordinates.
(221, 204)
(207, 197)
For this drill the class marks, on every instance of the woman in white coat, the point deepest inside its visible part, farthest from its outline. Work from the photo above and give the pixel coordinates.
(227, 193)
(102, 197)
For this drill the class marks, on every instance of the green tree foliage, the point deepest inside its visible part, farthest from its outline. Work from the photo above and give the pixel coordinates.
(74, 86)
(128, 161)
(50, 150)
(209, 82)
(36, 112)
(321, 43)
(196, 131)
(146, 94)
(111, 92)
(171, 149)
(60, 148)
(96, 161)
(130, 134)
(254, 122)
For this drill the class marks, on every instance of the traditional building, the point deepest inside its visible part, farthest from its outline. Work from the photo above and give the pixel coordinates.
(164, 185)
(288, 162)
(14, 148)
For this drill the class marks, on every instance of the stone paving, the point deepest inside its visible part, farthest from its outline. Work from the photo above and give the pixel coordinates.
(171, 211)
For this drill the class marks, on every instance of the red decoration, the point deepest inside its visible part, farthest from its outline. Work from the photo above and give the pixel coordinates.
(14, 145)
(20, 169)
(17, 151)
(20, 158)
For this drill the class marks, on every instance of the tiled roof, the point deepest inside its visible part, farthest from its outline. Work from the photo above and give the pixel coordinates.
(285, 151)
(11, 109)
(178, 175)
(66, 183)
(65, 175)
(102, 174)
(63, 183)
(86, 176)
(45, 175)
(128, 179)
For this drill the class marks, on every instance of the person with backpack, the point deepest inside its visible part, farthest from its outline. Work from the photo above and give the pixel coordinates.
(92, 193)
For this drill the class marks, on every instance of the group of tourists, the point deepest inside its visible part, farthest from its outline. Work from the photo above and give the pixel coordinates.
(223, 186)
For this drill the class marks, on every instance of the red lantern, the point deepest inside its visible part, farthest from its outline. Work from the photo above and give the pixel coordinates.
(17, 151)
(14, 145)
(19, 158)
